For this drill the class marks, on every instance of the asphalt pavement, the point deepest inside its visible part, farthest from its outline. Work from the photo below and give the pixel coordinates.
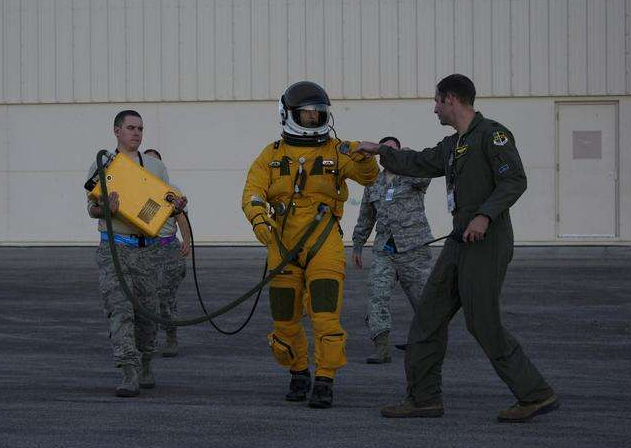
(570, 307)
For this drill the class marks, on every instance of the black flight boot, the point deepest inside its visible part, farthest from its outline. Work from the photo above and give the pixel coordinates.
(299, 386)
(322, 394)
(129, 386)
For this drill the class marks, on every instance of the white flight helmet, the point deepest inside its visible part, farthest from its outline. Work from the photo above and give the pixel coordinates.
(299, 128)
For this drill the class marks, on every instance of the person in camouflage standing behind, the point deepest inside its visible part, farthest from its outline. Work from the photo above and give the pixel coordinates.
(173, 253)
(396, 204)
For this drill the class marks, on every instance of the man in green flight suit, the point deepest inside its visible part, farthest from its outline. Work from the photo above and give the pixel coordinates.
(484, 177)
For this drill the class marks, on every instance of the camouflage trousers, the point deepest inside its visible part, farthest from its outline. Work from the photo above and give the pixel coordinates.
(411, 268)
(130, 334)
(169, 278)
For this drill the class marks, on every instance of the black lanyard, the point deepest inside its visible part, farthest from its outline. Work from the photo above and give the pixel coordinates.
(139, 158)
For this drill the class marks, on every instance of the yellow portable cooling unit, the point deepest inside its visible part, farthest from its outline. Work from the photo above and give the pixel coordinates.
(143, 197)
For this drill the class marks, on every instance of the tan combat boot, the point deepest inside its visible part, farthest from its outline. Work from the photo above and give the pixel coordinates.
(129, 386)
(147, 381)
(524, 412)
(381, 354)
(408, 408)
(170, 348)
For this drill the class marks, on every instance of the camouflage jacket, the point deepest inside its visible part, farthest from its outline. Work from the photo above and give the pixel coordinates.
(399, 214)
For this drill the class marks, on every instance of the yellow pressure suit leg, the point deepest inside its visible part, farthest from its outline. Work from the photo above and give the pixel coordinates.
(325, 292)
(288, 341)
(324, 277)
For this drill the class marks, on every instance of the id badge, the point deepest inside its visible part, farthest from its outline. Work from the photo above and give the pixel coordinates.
(451, 201)
(389, 194)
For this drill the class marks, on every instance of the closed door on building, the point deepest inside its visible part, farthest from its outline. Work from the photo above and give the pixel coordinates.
(587, 179)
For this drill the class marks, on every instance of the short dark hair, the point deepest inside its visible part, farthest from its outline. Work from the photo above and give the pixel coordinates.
(388, 138)
(120, 117)
(155, 151)
(458, 85)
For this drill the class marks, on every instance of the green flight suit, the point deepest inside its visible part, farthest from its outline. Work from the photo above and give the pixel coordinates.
(487, 177)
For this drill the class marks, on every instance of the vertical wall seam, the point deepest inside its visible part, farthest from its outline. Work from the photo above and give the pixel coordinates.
(343, 52)
(21, 98)
(214, 61)
(38, 50)
(626, 47)
(587, 47)
(511, 55)
(416, 49)
(160, 48)
(607, 90)
(233, 58)
(304, 37)
(324, 42)
(492, 52)
(361, 47)
(549, 51)
(72, 53)
(567, 46)
(529, 49)
(109, 50)
(287, 44)
(269, 48)
(453, 40)
(251, 9)
(3, 99)
(396, 78)
(55, 45)
(472, 68)
(435, 43)
(127, 51)
(380, 44)
(178, 47)
(90, 81)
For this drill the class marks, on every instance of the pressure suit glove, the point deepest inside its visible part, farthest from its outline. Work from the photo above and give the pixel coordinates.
(263, 226)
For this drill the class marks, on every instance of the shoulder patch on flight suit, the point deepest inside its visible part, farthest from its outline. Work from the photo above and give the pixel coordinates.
(275, 164)
(500, 138)
(344, 147)
(503, 168)
(276, 144)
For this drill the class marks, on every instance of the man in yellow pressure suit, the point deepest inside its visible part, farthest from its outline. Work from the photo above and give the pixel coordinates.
(300, 175)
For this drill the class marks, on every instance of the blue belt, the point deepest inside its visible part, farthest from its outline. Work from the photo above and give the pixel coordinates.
(130, 240)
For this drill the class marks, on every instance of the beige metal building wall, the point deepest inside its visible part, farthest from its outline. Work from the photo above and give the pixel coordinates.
(76, 51)
(197, 68)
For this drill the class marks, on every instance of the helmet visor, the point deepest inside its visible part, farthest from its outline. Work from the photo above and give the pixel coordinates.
(311, 117)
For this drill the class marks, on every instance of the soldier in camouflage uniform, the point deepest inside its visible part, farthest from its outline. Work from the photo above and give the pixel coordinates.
(133, 337)
(173, 254)
(396, 205)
